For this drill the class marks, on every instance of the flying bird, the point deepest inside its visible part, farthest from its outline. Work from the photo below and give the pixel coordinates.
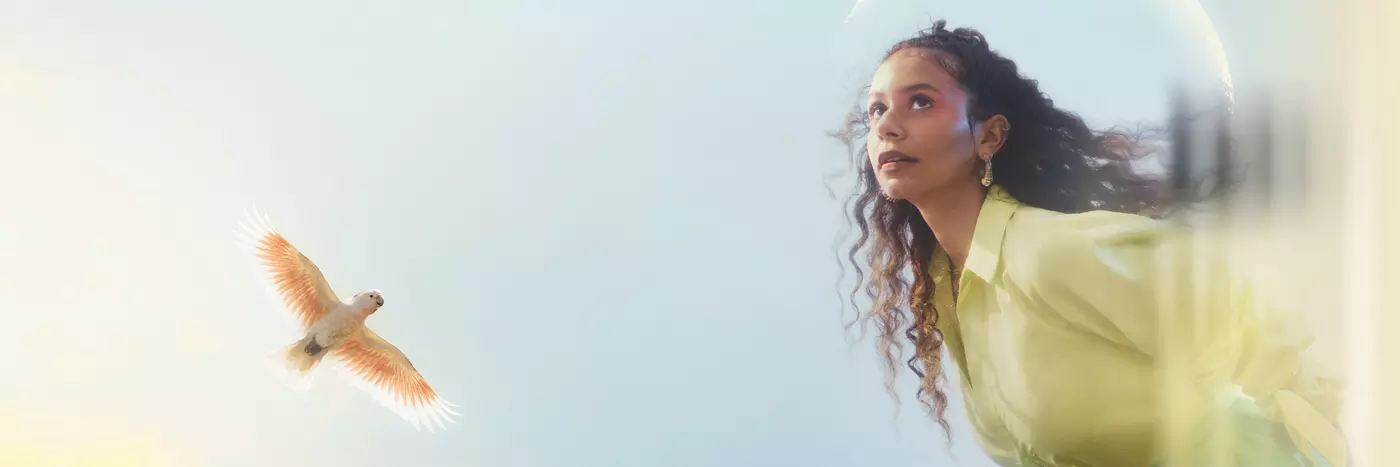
(334, 328)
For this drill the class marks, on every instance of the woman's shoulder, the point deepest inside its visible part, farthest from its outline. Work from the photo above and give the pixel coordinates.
(1035, 232)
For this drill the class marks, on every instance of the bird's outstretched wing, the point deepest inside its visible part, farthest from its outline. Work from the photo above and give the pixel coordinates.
(295, 279)
(381, 369)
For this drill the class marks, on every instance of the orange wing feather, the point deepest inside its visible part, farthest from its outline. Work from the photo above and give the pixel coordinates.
(381, 369)
(296, 280)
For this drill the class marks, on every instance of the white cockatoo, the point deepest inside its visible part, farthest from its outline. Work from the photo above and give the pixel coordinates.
(336, 328)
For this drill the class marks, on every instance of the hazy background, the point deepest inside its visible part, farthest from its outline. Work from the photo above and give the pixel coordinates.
(601, 227)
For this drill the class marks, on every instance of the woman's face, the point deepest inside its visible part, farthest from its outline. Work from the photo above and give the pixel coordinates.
(919, 137)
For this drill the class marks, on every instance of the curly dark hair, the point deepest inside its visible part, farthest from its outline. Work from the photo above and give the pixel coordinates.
(1051, 160)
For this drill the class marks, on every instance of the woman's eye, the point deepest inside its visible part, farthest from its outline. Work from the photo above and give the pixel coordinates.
(876, 110)
(921, 102)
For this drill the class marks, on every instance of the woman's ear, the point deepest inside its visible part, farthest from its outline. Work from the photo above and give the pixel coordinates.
(992, 134)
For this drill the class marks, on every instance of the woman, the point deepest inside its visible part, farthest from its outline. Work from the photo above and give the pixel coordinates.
(1033, 251)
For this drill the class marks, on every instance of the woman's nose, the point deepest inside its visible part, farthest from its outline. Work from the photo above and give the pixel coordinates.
(888, 127)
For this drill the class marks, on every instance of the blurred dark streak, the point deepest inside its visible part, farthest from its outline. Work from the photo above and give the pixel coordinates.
(1264, 147)
(1225, 160)
(1179, 169)
(1256, 154)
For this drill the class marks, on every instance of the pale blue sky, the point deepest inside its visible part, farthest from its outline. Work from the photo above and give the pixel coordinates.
(600, 227)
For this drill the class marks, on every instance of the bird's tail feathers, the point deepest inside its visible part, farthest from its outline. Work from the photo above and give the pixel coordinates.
(294, 365)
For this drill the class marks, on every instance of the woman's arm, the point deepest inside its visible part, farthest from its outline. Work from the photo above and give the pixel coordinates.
(1149, 287)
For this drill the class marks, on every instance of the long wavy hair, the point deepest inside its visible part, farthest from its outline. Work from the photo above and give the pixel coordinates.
(1051, 160)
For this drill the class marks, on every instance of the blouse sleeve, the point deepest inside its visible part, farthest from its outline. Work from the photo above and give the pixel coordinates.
(1142, 284)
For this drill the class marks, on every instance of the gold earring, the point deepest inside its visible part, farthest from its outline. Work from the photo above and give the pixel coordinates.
(987, 174)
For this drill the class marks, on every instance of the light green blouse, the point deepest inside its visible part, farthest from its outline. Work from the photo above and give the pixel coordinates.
(1062, 343)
